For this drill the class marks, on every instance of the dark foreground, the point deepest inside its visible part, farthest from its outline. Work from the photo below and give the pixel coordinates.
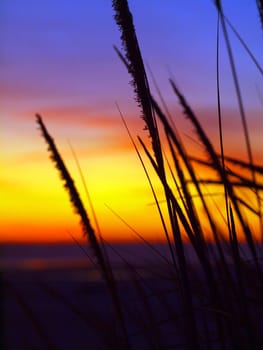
(64, 309)
(64, 304)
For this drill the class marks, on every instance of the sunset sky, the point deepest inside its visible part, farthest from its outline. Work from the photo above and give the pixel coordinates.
(57, 59)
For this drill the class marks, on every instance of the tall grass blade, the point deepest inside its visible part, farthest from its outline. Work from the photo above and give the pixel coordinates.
(241, 288)
(260, 10)
(223, 177)
(253, 58)
(152, 189)
(35, 322)
(240, 105)
(135, 65)
(103, 247)
(85, 188)
(256, 168)
(190, 207)
(222, 153)
(88, 231)
(175, 211)
(244, 183)
(186, 160)
(74, 196)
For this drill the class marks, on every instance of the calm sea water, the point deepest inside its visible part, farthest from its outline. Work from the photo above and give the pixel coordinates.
(52, 282)
(69, 261)
(72, 257)
(59, 256)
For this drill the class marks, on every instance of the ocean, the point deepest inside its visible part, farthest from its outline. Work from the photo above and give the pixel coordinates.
(53, 297)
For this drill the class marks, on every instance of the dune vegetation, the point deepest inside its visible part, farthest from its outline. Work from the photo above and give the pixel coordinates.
(215, 303)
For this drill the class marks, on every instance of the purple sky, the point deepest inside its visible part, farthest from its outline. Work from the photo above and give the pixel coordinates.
(57, 59)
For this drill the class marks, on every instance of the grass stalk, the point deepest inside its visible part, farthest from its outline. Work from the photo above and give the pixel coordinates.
(241, 40)
(35, 322)
(223, 178)
(88, 231)
(240, 105)
(260, 10)
(222, 152)
(152, 189)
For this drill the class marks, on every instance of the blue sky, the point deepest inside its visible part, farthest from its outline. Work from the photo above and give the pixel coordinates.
(62, 54)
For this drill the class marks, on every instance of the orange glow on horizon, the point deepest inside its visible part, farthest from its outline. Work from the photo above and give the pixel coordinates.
(59, 63)
(36, 208)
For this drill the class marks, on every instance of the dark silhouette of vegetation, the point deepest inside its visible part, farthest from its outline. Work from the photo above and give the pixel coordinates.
(212, 304)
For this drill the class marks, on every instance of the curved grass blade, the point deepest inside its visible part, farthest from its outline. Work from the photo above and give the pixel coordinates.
(88, 231)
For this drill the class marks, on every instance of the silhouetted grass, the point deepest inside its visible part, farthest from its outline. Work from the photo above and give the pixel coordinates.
(103, 265)
(217, 302)
(260, 10)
